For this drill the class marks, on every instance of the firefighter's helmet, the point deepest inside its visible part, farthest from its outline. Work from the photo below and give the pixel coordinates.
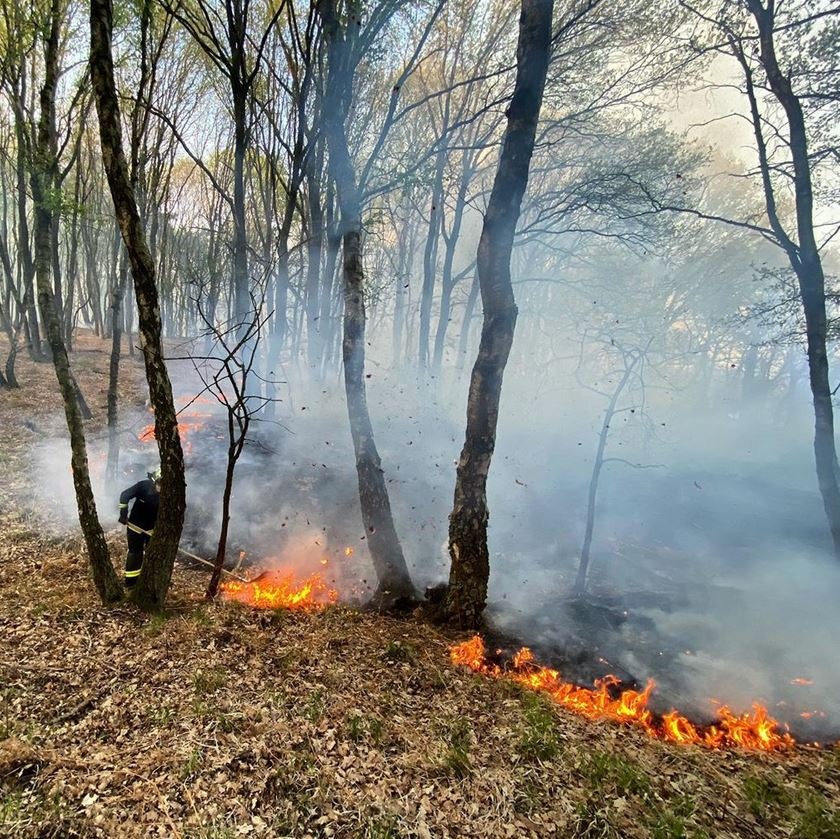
(155, 474)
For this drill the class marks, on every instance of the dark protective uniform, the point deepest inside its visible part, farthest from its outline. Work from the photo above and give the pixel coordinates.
(140, 522)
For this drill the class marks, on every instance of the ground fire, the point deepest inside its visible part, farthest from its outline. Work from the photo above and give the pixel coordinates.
(756, 730)
(278, 589)
(188, 422)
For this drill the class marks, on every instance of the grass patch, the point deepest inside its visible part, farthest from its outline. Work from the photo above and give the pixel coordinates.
(817, 820)
(538, 739)
(668, 825)
(192, 765)
(381, 827)
(359, 727)
(155, 626)
(207, 682)
(398, 651)
(591, 822)
(602, 768)
(456, 757)
(763, 794)
(315, 705)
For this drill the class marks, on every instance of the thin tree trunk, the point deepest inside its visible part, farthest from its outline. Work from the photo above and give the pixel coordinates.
(430, 261)
(153, 584)
(468, 550)
(314, 247)
(42, 184)
(221, 551)
(117, 294)
(609, 413)
(394, 582)
(447, 283)
(807, 264)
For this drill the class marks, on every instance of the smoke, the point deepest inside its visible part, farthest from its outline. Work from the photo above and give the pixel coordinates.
(711, 571)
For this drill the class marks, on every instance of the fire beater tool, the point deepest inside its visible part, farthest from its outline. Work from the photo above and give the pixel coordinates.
(224, 570)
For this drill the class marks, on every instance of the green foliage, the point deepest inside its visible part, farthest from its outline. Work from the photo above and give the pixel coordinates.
(201, 618)
(355, 727)
(456, 758)
(206, 682)
(192, 764)
(315, 704)
(8, 724)
(359, 726)
(591, 822)
(381, 827)
(762, 793)
(604, 767)
(161, 715)
(11, 807)
(399, 651)
(538, 740)
(155, 625)
(817, 820)
(376, 729)
(668, 825)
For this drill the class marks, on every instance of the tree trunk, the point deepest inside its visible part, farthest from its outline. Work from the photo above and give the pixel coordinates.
(240, 241)
(447, 283)
(430, 261)
(117, 294)
(153, 584)
(807, 264)
(468, 550)
(221, 551)
(42, 184)
(469, 313)
(314, 248)
(609, 413)
(394, 583)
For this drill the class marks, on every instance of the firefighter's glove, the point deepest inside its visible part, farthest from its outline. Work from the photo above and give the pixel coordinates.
(123, 518)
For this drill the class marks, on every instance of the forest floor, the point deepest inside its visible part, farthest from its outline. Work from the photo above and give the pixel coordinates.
(221, 721)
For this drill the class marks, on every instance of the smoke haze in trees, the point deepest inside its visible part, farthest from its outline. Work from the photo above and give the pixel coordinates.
(718, 553)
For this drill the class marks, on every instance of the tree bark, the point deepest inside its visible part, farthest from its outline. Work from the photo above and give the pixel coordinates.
(807, 265)
(42, 182)
(394, 582)
(153, 584)
(447, 282)
(468, 550)
(609, 413)
(430, 259)
(117, 294)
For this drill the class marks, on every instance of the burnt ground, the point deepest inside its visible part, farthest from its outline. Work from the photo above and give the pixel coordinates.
(220, 721)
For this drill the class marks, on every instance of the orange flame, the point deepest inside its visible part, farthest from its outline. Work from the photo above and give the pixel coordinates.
(278, 589)
(185, 429)
(756, 730)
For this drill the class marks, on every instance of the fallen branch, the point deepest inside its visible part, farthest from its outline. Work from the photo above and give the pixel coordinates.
(210, 565)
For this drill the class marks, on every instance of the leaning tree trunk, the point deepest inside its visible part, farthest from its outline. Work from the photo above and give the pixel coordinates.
(153, 584)
(470, 569)
(42, 182)
(394, 582)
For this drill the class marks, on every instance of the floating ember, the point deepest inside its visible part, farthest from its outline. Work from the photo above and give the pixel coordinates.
(279, 589)
(756, 730)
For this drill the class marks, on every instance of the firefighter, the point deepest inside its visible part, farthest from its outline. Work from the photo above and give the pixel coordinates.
(139, 521)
